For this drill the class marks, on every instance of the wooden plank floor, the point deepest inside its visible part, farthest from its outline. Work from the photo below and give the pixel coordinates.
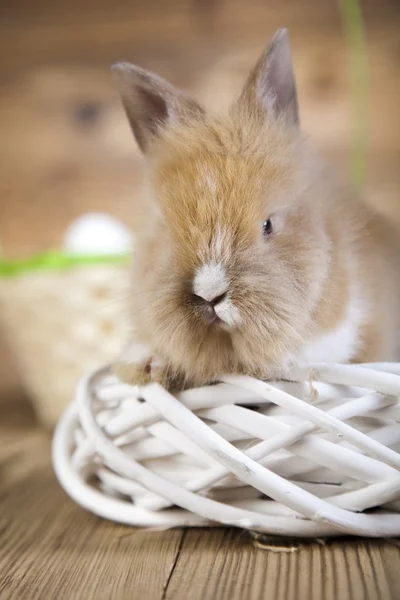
(50, 548)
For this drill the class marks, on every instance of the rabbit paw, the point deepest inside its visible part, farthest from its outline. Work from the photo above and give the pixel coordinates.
(138, 366)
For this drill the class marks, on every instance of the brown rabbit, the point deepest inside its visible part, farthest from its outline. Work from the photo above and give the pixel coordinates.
(249, 256)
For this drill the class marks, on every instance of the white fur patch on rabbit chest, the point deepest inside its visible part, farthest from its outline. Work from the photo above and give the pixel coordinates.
(342, 344)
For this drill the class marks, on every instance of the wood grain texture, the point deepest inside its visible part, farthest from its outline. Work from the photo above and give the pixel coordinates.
(228, 566)
(51, 548)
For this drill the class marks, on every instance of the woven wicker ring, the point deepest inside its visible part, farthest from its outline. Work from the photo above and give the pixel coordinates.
(316, 456)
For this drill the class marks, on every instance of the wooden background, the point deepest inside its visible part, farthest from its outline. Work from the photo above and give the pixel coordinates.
(66, 149)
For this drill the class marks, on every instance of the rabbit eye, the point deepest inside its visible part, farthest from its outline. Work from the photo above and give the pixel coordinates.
(267, 227)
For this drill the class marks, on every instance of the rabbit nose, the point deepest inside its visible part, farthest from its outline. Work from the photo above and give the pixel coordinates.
(209, 307)
(211, 283)
(217, 300)
(212, 303)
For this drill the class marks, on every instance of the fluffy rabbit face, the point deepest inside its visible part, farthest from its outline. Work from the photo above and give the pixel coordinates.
(230, 265)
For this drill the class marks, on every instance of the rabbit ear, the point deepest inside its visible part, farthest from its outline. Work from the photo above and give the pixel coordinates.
(271, 85)
(150, 102)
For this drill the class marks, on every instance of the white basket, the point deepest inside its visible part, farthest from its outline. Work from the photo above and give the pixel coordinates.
(317, 456)
(62, 324)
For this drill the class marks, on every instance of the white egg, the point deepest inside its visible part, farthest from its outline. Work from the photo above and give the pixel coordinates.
(97, 233)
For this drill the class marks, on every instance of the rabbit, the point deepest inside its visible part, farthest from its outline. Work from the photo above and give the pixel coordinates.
(250, 257)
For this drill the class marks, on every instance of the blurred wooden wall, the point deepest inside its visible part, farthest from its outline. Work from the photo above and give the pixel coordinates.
(66, 147)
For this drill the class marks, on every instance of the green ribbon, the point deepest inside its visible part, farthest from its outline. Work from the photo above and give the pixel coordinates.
(56, 261)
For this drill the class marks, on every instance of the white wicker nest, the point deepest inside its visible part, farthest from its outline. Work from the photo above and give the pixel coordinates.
(317, 456)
